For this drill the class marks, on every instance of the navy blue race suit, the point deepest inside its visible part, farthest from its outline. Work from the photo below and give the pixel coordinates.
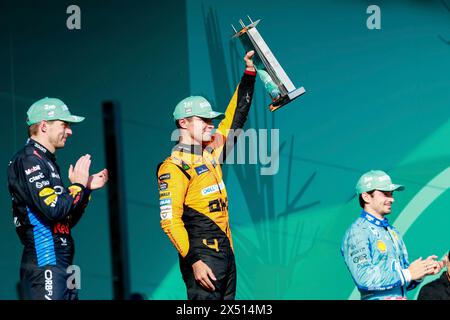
(44, 212)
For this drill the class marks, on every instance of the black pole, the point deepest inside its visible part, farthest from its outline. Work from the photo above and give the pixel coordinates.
(116, 201)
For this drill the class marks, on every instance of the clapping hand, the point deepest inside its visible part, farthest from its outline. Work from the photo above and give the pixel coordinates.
(80, 172)
(98, 180)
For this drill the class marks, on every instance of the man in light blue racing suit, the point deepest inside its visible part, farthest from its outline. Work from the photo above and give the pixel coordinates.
(374, 251)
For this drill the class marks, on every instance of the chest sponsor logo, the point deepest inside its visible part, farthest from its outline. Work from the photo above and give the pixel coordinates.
(381, 246)
(163, 186)
(58, 189)
(165, 202)
(218, 205)
(37, 146)
(165, 208)
(36, 178)
(51, 200)
(41, 184)
(201, 169)
(213, 188)
(61, 228)
(46, 192)
(360, 250)
(165, 215)
(359, 259)
(165, 176)
(165, 194)
(32, 169)
(55, 175)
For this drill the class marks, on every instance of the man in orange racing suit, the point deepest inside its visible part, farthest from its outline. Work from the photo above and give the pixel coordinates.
(193, 198)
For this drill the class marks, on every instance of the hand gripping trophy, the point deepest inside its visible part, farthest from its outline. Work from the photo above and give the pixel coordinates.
(276, 81)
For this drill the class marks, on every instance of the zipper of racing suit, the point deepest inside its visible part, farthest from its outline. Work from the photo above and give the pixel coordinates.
(211, 168)
(398, 254)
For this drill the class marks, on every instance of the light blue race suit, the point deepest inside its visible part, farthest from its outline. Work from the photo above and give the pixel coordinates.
(376, 256)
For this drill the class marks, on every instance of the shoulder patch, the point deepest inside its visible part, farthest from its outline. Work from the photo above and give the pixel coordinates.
(34, 168)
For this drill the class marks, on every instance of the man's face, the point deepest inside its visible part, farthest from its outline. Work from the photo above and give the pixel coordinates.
(379, 201)
(200, 129)
(58, 132)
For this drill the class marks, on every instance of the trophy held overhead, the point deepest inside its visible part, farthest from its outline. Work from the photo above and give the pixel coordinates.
(277, 83)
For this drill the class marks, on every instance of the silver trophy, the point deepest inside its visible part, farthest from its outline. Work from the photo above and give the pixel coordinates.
(276, 81)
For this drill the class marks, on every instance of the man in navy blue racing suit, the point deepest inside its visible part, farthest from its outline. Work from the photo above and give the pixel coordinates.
(374, 251)
(44, 210)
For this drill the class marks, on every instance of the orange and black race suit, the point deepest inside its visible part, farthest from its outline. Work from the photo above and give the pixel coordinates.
(44, 213)
(194, 204)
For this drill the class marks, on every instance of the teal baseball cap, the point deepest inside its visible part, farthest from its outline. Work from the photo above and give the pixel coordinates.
(195, 106)
(376, 180)
(50, 109)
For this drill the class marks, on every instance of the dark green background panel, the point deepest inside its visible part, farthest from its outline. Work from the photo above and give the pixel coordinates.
(124, 52)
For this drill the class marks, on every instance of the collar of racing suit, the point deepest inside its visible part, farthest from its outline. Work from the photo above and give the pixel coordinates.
(189, 148)
(43, 151)
(374, 220)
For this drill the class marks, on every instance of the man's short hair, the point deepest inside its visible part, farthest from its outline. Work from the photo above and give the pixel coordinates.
(177, 122)
(362, 203)
(34, 128)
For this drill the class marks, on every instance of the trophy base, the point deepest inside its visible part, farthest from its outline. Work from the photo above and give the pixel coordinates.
(282, 101)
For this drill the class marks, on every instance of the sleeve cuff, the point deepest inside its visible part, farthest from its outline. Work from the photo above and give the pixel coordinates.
(192, 257)
(78, 185)
(251, 73)
(407, 276)
(248, 79)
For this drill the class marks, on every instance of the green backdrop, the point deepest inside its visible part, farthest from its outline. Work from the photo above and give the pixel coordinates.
(375, 99)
